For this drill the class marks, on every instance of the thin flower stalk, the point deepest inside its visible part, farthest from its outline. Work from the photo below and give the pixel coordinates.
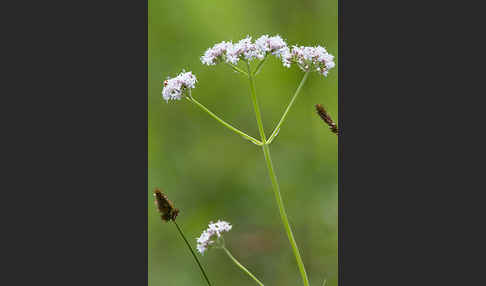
(241, 266)
(275, 186)
(297, 91)
(227, 125)
(255, 105)
(193, 254)
(237, 69)
(260, 65)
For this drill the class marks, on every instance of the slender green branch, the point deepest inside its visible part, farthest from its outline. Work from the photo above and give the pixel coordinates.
(229, 126)
(275, 186)
(193, 254)
(297, 91)
(255, 104)
(242, 267)
(237, 69)
(283, 214)
(260, 65)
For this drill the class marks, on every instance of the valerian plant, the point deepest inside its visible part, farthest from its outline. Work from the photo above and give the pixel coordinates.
(238, 56)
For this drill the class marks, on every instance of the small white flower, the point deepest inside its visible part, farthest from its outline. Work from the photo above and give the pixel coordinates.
(244, 48)
(219, 227)
(215, 54)
(262, 43)
(276, 46)
(317, 57)
(270, 44)
(214, 230)
(285, 55)
(174, 88)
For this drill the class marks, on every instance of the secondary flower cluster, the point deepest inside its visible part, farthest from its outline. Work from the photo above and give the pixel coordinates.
(245, 49)
(174, 88)
(307, 58)
(214, 230)
(316, 57)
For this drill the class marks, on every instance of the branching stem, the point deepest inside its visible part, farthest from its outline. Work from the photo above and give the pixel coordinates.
(237, 69)
(273, 177)
(260, 65)
(227, 125)
(297, 91)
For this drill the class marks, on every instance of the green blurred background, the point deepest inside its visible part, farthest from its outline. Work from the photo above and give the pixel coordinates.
(211, 173)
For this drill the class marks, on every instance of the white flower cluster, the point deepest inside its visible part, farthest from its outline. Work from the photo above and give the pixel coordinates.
(214, 229)
(245, 49)
(305, 57)
(276, 46)
(313, 57)
(216, 53)
(175, 87)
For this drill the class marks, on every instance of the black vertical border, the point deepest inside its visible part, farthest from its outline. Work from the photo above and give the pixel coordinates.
(82, 191)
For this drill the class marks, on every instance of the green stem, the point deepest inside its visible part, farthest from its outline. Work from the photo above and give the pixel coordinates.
(255, 104)
(283, 214)
(275, 186)
(242, 267)
(193, 254)
(229, 126)
(260, 65)
(297, 91)
(237, 69)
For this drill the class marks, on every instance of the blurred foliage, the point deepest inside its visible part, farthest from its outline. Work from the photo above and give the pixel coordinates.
(211, 173)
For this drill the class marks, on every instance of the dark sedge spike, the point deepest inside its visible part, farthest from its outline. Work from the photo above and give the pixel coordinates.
(165, 206)
(327, 119)
(169, 212)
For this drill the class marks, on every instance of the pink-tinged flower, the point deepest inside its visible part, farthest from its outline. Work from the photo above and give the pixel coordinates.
(175, 88)
(270, 44)
(216, 54)
(244, 49)
(212, 234)
(308, 58)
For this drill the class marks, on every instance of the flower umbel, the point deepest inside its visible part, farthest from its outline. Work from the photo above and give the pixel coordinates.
(216, 54)
(245, 49)
(175, 88)
(307, 58)
(312, 58)
(276, 46)
(209, 235)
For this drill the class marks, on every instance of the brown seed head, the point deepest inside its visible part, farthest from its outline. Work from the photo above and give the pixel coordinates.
(327, 119)
(165, 206)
